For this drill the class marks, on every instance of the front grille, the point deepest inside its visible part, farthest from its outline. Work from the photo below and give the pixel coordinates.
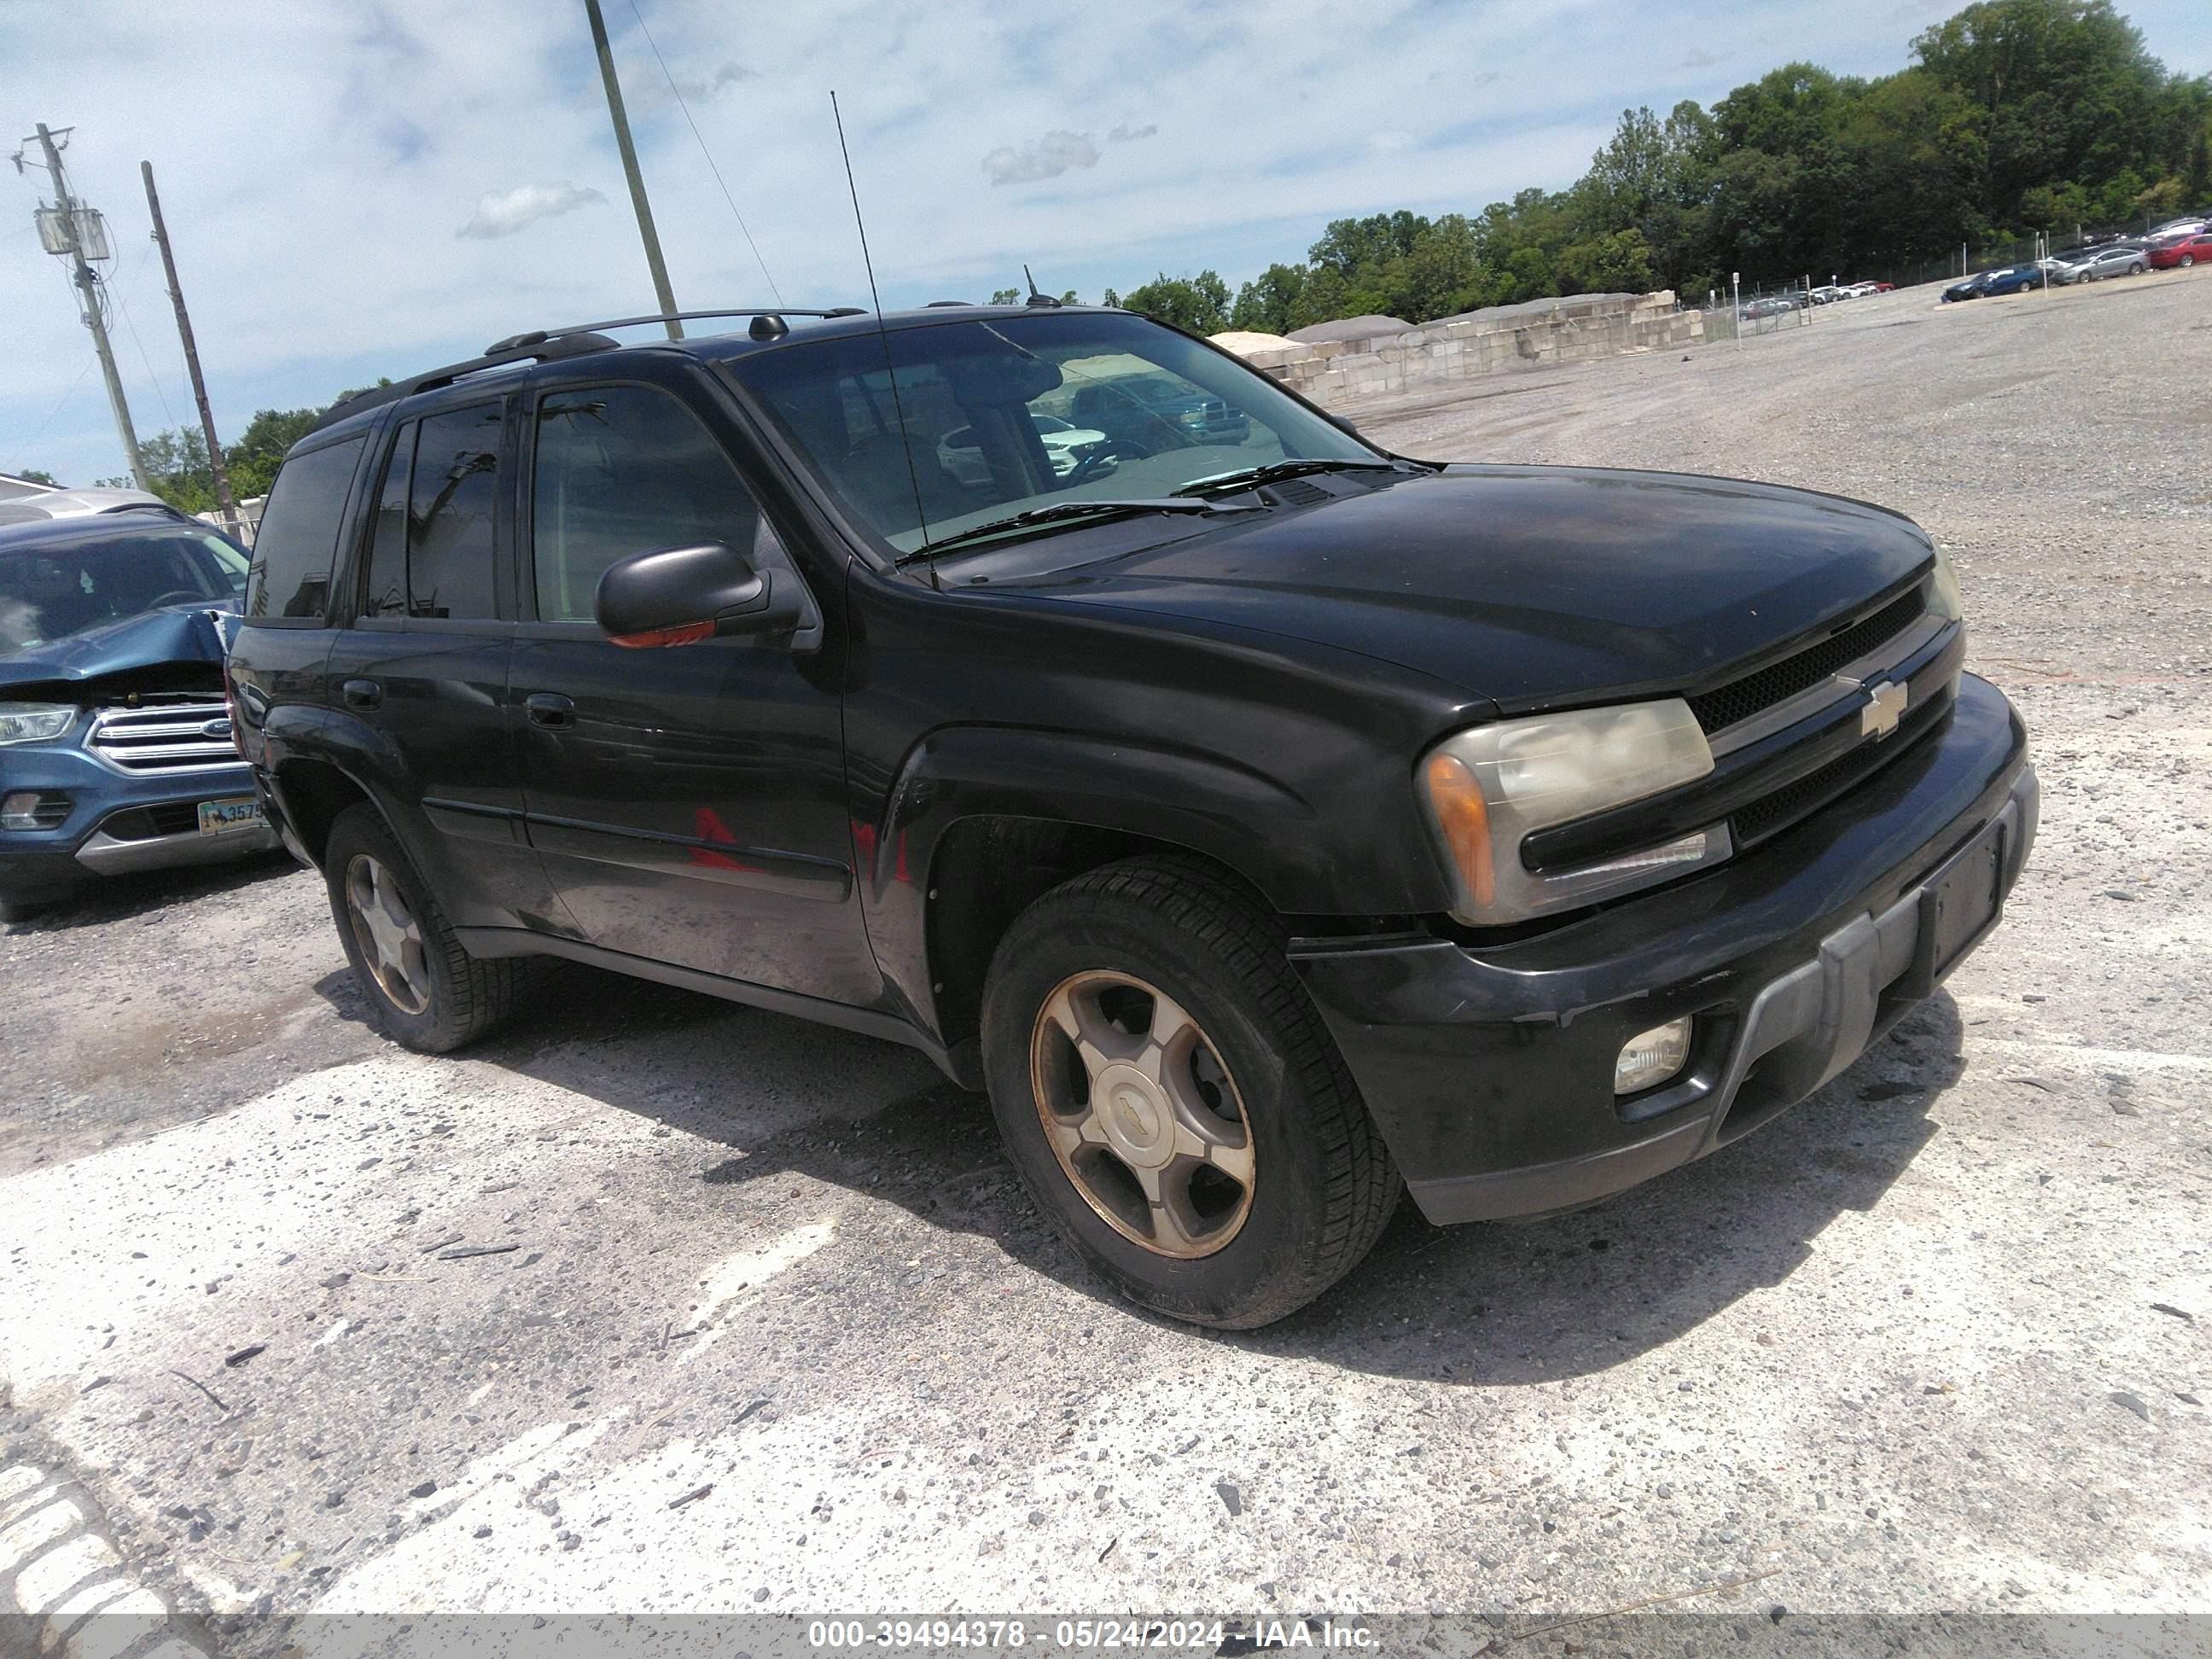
(168, 738)
(1741, 699)
(148, 823)
(1772, 813)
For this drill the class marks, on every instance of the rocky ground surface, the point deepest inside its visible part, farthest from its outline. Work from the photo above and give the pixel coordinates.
(765, 1324)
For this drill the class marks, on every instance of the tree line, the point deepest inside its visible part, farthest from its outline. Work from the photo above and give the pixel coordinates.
(2013, 116)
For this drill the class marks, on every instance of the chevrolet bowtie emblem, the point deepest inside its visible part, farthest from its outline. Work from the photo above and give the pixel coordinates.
(1885, 706)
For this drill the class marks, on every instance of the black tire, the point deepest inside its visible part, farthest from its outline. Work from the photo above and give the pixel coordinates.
(2136, 270)
(463, 996)
(2187, 260)
(1323, 1185)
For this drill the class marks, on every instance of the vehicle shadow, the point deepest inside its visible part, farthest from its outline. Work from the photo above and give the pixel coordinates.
(145, 893)
(1494, 1303)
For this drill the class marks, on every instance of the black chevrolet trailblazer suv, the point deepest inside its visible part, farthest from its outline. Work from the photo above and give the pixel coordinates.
(1267, 824)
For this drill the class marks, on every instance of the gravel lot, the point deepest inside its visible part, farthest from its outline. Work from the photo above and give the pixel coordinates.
(1938, 1339)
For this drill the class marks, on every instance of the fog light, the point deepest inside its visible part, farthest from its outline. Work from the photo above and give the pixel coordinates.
(1651, 1057)
(20, 810)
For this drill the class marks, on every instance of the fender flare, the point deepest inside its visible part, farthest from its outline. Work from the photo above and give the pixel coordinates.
(365, 758)
(1186, 797)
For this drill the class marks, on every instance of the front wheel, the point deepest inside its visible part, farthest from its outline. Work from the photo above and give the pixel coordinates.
(421, 989)
(2187, 260)
(1172, 1101)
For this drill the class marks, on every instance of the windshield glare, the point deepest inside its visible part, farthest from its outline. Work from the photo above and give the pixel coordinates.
(986, 419)
(51, 591)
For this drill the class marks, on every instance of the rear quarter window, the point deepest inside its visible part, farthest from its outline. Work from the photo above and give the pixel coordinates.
(292, 551)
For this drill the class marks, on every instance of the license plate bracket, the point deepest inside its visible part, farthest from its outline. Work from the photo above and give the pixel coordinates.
(1963, 902)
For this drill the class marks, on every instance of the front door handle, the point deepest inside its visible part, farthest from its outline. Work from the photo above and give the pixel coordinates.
(550, 708)
(362, 694)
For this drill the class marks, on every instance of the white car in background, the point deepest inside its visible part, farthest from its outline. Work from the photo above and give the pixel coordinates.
(1066, 445)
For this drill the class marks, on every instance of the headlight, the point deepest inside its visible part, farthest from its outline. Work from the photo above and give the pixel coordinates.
(35, 722)
(1488, 789)
(1943, 591)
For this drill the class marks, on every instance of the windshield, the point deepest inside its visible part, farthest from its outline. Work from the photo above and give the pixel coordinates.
(51, 590)
(989, 419)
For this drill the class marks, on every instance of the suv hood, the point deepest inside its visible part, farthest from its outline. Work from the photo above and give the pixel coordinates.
(1533, 586)
(178, 649)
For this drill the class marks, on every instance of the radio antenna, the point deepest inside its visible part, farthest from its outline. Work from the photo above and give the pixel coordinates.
(1036, 298)
(906, 444)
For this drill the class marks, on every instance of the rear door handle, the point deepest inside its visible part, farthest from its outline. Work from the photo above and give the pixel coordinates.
(362, 694)
(550, 708)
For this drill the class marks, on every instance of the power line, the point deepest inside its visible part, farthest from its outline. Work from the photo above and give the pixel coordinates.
(704, 151)
(120, 293)
(59, 405)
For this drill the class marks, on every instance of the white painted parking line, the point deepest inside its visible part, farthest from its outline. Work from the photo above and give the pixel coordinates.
(56, 1568)
(23, 1538)
(113, 1595)
(40, 1587)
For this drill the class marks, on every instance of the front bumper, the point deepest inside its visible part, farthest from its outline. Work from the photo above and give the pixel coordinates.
(1489, 1069)
(117, 822)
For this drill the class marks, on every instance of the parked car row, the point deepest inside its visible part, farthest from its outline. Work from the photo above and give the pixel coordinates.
(2189, 244)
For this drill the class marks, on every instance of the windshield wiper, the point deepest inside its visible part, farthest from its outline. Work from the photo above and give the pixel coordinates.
(1084, 509)
(1251, 477)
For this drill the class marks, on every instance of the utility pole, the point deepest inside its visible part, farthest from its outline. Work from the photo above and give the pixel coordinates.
(191, 355)
(660, 288)
(87, 288)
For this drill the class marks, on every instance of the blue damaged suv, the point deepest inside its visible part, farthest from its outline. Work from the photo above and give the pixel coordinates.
(115, 745)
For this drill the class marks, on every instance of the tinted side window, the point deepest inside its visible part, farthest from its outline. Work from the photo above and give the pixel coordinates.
(298, 533)
(385, 593)
(450, 512)
(621, 469)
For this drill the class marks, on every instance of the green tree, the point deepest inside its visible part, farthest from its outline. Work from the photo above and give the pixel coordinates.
(1618, 264)
(177, 469)
(35, 475)
(1200, 304)
(254, 458)
(1270, 302)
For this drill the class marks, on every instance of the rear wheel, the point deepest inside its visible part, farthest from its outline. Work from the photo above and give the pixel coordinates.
(421, 989)
(2136, 270)
(1172, 1101)
(2187, 260)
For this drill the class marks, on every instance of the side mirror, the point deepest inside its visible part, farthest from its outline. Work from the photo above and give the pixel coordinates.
(681, 595)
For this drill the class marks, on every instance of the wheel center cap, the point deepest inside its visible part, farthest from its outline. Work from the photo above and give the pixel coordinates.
(1134, 1116)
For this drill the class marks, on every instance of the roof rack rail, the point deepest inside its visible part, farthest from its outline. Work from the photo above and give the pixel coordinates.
(522, 348)
(549, 344)
(677, 317)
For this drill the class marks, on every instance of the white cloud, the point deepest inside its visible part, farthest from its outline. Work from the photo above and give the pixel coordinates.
(1047, 157)
(1126, 134)
(501, 213)
(645, 86)
(1384, 143)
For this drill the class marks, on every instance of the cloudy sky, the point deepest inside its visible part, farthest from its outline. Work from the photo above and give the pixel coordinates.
(358, 188)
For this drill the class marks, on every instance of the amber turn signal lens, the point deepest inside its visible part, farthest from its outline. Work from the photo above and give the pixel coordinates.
(1456, 799)
(687, 634)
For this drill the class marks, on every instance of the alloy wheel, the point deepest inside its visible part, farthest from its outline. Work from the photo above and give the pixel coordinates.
(1142, 1113)
(390, 937)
